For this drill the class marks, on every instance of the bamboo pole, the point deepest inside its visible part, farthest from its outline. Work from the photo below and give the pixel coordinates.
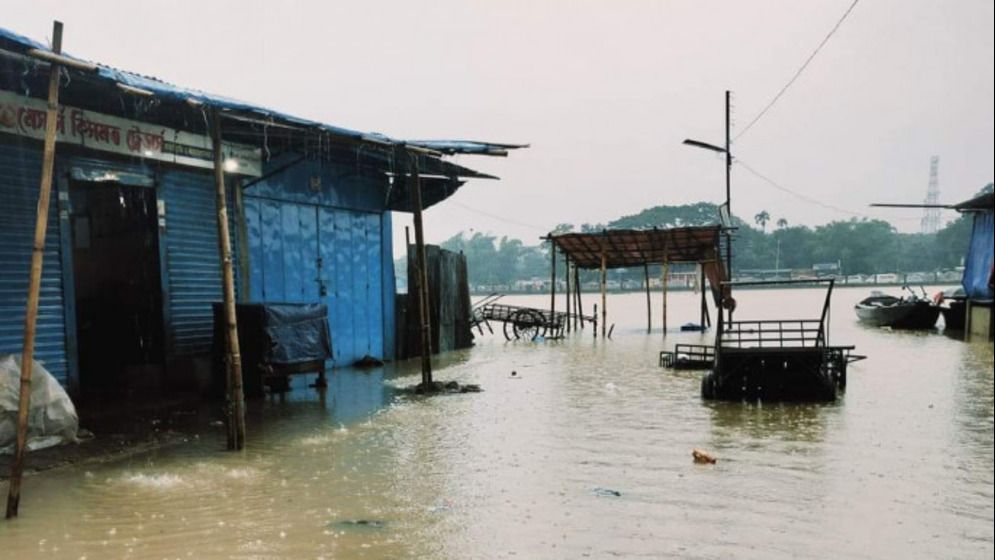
(236, 394)
(604, 294)
(423, 297)
(649, 306)
(34, 283)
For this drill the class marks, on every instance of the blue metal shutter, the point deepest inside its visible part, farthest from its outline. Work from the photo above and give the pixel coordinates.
(20, 171)
(194, 267)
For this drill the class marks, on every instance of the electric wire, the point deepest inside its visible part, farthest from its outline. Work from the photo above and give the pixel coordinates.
(803, 197)
(799, 72)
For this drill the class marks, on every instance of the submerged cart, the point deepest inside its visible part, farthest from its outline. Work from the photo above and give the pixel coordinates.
(778, 359)
(521, 323)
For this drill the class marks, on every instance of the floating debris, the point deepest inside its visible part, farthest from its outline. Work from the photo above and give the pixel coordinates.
(440, 388)
(358, 524)
(703, 458)
(367, 362)
(607, 493)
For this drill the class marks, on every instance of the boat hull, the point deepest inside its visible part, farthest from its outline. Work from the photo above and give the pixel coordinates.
(914, 315)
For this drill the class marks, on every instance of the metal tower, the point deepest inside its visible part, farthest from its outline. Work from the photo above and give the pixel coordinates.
(931, 215)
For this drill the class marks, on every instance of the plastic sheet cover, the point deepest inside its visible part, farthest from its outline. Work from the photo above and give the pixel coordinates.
(297, 333)
(52, 418)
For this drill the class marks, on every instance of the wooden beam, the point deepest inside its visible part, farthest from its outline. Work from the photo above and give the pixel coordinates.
(34, 282)
(236, 394)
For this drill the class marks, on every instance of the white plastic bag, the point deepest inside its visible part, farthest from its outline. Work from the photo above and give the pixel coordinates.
(52, 418)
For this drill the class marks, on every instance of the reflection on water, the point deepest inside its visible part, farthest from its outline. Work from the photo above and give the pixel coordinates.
(584, 453)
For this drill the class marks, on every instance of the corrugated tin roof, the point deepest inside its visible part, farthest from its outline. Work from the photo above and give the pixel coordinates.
(17, 43)
(631, 247)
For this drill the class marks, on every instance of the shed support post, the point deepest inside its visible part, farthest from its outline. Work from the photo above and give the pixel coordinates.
(604, 295)
(34, 283)
(236, 395)
(649, 305)
(567, 325)
(665, 276)
(423, 301)
(579, 304)
(552, 281)
(705, 319)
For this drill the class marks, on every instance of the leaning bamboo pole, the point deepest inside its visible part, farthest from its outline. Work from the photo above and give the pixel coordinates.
(423, 293)
(236, 394)
(34, 283)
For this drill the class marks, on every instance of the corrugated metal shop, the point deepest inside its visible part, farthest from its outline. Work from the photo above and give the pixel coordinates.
(131, 265)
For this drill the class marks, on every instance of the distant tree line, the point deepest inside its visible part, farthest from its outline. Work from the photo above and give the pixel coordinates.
(859, 246)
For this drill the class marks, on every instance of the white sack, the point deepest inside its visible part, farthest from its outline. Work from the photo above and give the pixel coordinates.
(52, 418)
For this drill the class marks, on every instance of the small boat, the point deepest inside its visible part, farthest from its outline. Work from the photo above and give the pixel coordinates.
(913, 312)
(953, 305)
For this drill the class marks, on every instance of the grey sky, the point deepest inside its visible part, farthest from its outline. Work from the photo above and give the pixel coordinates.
(604, 90)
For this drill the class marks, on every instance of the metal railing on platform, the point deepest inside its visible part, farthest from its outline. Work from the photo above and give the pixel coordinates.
(773, 333)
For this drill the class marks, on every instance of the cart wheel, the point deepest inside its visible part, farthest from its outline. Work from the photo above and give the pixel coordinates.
(528, 324)
(507, 336)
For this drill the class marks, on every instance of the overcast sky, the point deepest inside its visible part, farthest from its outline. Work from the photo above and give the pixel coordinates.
(603, 90)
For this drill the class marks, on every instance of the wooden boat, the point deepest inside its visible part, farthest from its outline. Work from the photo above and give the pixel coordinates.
(883, 310)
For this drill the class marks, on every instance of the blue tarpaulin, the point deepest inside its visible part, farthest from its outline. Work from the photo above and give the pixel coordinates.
(978, 268)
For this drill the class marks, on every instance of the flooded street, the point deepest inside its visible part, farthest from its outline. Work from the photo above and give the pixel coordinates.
(586, 452)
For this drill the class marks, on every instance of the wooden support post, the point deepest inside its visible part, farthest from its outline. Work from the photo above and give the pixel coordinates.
(236, 394)
(567, 263)
(34, 283)
(552, 280)
(423, 301)
(705, 320)
(649, 306)
(579, 307)
(604, 295)
(664, 277)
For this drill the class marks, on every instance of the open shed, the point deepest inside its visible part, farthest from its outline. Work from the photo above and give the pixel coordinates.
(633, 248)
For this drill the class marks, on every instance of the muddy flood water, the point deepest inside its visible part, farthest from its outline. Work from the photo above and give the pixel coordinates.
(585, 453)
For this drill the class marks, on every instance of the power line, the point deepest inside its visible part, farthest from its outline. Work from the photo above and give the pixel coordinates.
(803, 197)
(800, 70)
(498, 218)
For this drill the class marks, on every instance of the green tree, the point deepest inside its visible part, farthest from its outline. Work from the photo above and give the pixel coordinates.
(761, 219)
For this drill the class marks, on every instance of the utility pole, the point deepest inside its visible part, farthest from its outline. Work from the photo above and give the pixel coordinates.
(727, 150)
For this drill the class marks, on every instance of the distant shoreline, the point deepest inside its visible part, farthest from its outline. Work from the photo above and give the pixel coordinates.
(685, 289)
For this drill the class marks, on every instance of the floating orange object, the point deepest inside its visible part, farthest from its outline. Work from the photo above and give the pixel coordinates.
(703, 458)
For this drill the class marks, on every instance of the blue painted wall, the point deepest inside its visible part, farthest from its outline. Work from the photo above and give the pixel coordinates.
(331, 244)
(325, 240)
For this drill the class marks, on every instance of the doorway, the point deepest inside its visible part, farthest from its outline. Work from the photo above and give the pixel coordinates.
(119, 302)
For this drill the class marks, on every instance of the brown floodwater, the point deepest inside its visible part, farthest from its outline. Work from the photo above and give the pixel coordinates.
(585, 453)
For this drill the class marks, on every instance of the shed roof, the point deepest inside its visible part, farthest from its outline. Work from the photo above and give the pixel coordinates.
(635, 247)
(979, 203)
(19, 44)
